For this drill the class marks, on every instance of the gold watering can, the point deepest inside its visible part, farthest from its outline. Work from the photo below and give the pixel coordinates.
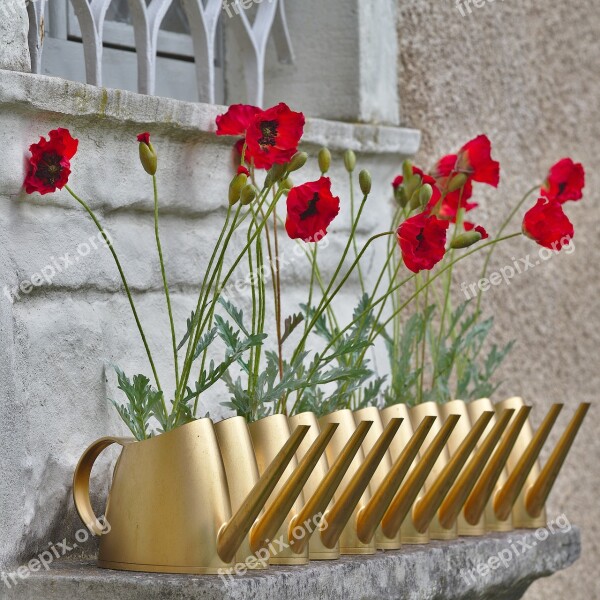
(204, 497)
(169, 506)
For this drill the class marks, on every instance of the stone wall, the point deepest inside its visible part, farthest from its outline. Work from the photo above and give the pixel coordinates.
(526, 73)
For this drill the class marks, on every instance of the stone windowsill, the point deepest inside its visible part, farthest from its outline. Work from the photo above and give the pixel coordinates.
(430, 572)
(72, 99)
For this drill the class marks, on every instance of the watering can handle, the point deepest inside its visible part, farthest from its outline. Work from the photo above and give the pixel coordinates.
(81, 482)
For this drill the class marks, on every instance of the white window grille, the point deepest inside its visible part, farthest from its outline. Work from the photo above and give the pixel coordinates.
(165, 47)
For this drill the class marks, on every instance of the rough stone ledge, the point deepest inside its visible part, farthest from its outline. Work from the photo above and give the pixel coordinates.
(59, 96)
(432, 572)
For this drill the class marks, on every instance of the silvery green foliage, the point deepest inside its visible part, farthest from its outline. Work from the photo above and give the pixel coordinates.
(456, 368)
(255, 396)
(146, 403)
(353, 389)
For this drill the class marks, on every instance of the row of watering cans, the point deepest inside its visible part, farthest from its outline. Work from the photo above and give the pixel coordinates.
(206, 497)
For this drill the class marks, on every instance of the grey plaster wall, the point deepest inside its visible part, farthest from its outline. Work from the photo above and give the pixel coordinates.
(526, 73)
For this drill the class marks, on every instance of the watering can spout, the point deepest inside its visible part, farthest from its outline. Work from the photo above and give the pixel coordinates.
(267, 526)
(427, 507)
(371, 515)
(537, 494)
(342, 510)
(458, 494)
(319, 501)
(233, 533)
(402, 502)
(506, 497)
(484, 488)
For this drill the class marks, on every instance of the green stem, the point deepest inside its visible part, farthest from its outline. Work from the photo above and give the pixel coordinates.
(326, 300)
(277, 292)
(125, 284)
(354, 244)
(223, 282)
(165, 284)
(432, 279)
(196, 313)
(254, 308)
(424, 343)
(202, 304)
(513, 212)
(396, 312)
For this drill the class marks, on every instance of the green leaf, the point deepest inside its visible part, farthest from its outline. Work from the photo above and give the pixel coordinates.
(205, 341)
(144, 402)
(236, 314)
(290, 324)
(190, 327)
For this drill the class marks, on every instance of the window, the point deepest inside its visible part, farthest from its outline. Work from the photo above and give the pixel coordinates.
(176, 75)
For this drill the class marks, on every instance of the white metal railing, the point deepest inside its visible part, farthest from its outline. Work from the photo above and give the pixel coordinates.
(203, 17)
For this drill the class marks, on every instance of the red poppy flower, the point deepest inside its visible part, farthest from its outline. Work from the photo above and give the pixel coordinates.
(422, 240)
(475, 159)
(547, 224)
(310, 209)
(236, 120)
(471, 226)
(443, 172)
(565, 181)
(273, 136)
(49, 165)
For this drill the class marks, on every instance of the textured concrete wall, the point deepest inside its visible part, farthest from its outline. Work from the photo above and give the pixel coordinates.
(59, 340)
(14, 28)
(526, 73)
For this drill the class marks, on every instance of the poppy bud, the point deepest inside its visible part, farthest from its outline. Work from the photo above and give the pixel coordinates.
(415, 200)
(236, 186)
(407, 171)
(349, 160)
(298, 161)
(276, 172)
(248, 194)
(148, 156)
(457, 182)
(324, 160)
(464, 240)
(364, 179)
(412, 185)
(400, 196)
(425, 194)
(287, 183)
